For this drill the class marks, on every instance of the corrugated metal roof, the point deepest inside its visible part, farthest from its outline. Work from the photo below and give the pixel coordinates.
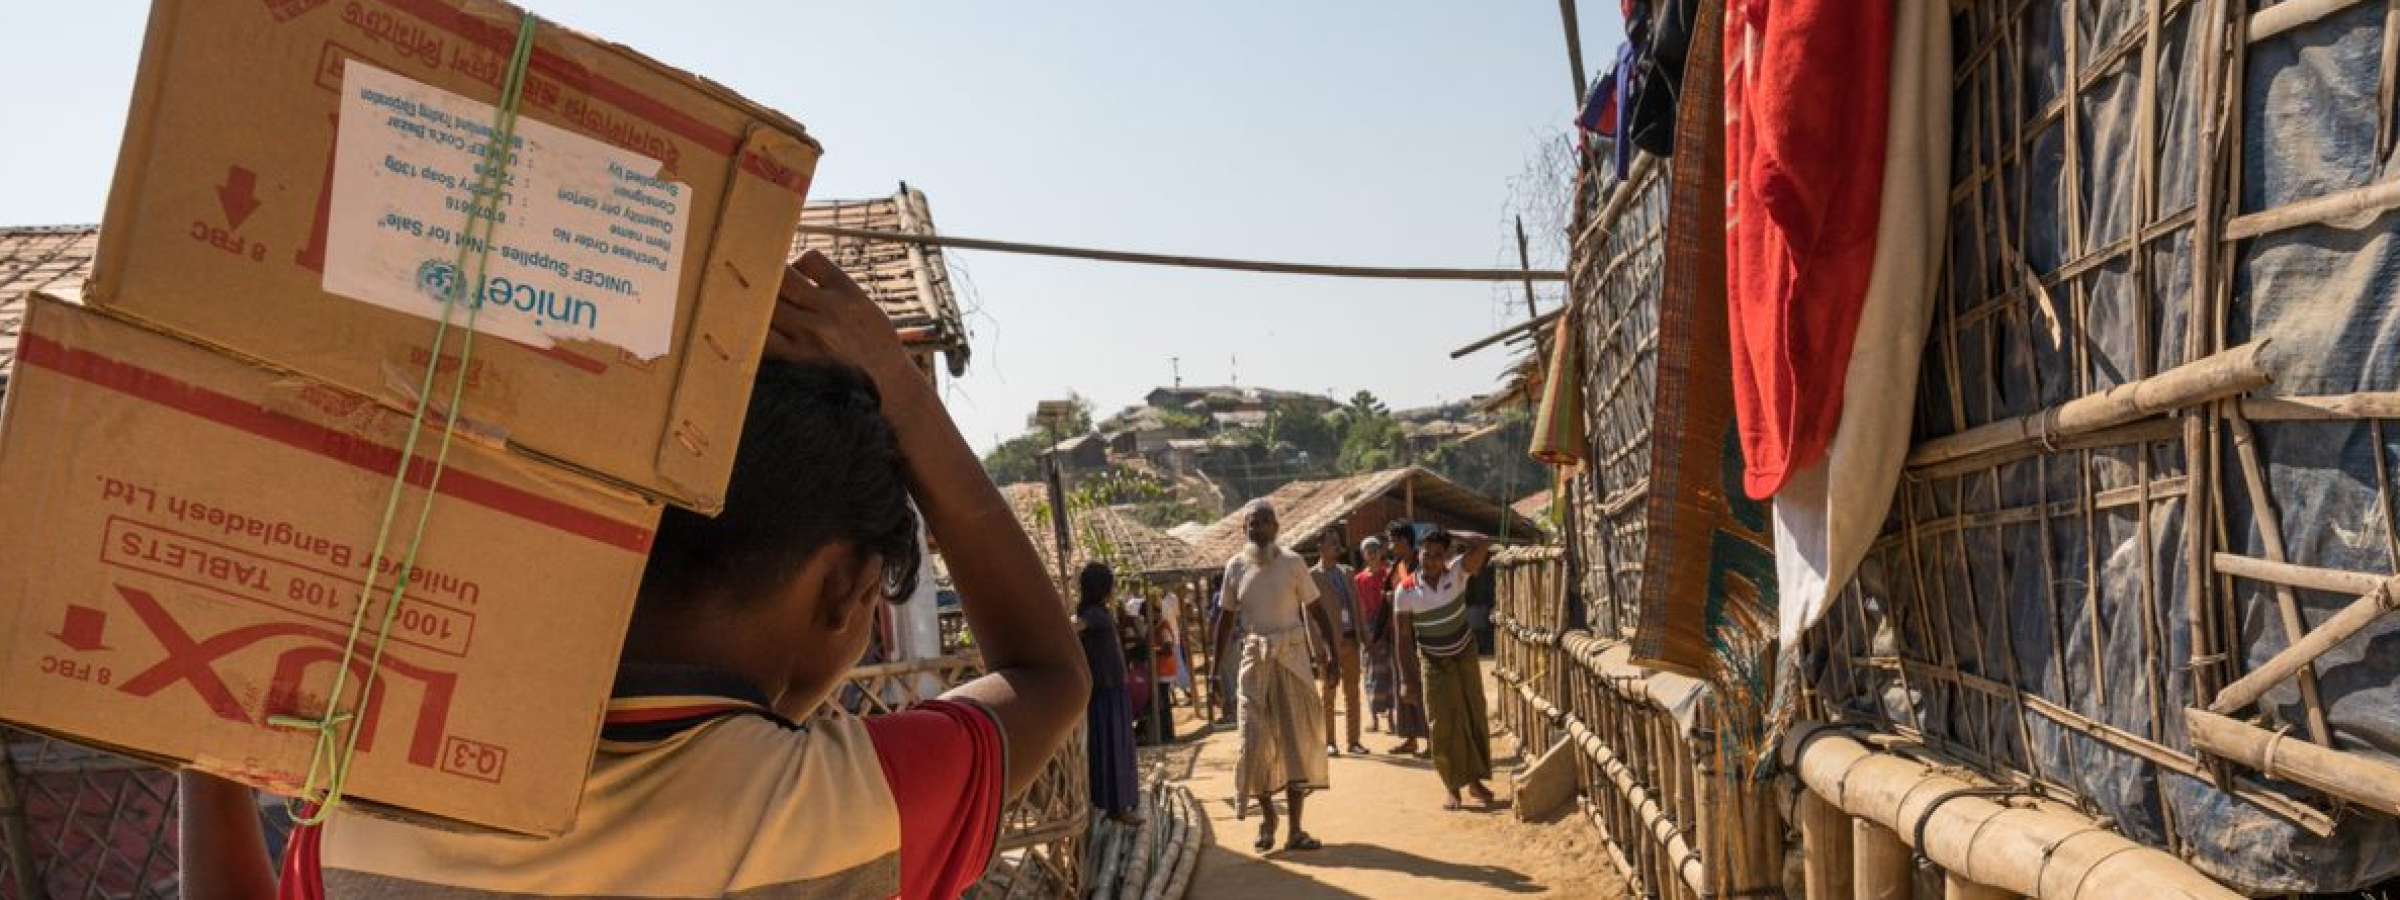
(911, 281)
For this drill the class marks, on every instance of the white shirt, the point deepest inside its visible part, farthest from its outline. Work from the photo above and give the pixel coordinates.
(1269, 597)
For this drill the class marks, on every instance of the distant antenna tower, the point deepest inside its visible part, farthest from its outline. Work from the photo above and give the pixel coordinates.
(1176, 363)
(1237, 370)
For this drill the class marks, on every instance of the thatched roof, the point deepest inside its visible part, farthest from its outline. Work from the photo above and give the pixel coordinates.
(912, 282)
(1308, 508)
(32, 259)
(1148, 550)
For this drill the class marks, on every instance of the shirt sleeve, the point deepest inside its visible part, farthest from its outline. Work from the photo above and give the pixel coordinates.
(946, 763)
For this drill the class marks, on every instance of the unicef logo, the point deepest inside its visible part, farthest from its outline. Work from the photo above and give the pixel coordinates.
(437, 279)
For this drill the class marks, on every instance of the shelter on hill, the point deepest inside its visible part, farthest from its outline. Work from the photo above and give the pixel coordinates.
(1363, 505)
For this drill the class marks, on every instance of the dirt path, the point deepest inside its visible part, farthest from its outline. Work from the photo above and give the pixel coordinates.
(1386, 835)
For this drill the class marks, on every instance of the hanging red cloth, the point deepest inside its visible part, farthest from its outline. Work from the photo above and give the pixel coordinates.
(1806, 104)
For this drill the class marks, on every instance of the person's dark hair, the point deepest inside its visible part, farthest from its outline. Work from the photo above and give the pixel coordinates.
(1402, 531)
(1438, 535)
(1095, 582)
(818, 465)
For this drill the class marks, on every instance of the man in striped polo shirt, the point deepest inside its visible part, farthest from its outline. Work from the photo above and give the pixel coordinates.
(712, 777)
(1435, 608)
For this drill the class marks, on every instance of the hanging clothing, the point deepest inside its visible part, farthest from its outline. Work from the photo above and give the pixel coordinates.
(1829, 513)
(1666, 37)
(1599, 115)
(1558, 437)
(1806, 102)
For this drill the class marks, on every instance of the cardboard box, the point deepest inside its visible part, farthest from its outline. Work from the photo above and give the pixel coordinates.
(187, 538)
(295, 175)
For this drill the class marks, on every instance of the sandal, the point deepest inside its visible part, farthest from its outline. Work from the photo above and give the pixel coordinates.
(1266, 839)
(1358, 750)
(1302, 841)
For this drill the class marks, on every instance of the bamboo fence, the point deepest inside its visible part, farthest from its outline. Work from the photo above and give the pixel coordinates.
(1679, 816)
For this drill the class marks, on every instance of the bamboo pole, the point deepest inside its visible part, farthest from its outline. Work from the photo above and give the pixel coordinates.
(1666, 841)
(2295, 575)
(1956, 888)
(2209, 378)
(1881, 866)
(2035, 852)
(2323, 407)
(2351, 777)
(2282, 17)
(2270, 538)
(1825, 847)
(1191, 262)
(2346, 623)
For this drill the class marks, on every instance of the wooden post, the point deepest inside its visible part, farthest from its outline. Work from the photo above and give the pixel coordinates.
(1825, 847)
(1956, 888)
(1566, 16)
(1880, 864)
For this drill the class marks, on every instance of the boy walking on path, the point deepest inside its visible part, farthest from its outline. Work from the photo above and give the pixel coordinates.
(706, 783)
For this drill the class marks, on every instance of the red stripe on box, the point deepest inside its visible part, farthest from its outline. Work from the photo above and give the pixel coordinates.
(155, 387)
(459, 22)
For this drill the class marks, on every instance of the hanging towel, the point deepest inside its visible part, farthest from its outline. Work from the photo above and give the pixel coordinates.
(1830, 512)
(1805, 113)
(1558, 426)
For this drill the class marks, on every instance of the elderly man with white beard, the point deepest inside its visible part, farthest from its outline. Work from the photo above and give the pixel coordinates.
(1272, 593)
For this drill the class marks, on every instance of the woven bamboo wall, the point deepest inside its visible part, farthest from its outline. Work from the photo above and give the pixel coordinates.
(1614, 263)
(2131, 208)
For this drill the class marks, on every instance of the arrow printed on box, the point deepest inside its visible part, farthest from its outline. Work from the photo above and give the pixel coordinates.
(84, 629)
(238, 195)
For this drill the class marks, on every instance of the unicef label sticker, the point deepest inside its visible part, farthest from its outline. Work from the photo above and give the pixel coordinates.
(586, 242)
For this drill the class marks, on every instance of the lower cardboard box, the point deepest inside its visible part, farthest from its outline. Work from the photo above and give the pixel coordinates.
(189, 535)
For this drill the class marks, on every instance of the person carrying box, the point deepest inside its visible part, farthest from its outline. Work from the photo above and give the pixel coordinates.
(707, 782)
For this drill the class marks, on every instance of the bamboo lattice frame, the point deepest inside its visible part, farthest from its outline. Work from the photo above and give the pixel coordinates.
(1916, 646)
(1615, 264)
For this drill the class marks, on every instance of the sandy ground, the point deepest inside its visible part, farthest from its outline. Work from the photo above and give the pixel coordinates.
(1386, 834)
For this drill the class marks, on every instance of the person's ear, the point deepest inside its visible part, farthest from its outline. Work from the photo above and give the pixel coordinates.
(852, 586)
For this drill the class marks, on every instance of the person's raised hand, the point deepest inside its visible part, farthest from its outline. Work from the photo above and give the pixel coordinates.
(820, 313)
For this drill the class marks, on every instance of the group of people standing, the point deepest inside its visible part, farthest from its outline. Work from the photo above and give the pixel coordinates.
(1307, 635)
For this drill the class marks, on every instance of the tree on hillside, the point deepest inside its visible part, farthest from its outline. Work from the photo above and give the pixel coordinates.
(1296, 423)
(1016, 459)
(1369, 443)
(1364, 405)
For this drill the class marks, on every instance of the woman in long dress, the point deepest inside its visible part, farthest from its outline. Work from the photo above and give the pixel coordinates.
(1109, 718)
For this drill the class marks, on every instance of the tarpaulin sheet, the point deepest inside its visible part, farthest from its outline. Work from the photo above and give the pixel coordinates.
(2064, 574)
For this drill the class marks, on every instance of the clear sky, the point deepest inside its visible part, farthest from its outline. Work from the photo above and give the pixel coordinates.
(1392, 133)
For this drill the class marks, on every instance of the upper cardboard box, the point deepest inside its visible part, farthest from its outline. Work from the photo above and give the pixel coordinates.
(296, 175)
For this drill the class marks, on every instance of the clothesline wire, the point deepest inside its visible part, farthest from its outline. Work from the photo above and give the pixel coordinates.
(1193, 262)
